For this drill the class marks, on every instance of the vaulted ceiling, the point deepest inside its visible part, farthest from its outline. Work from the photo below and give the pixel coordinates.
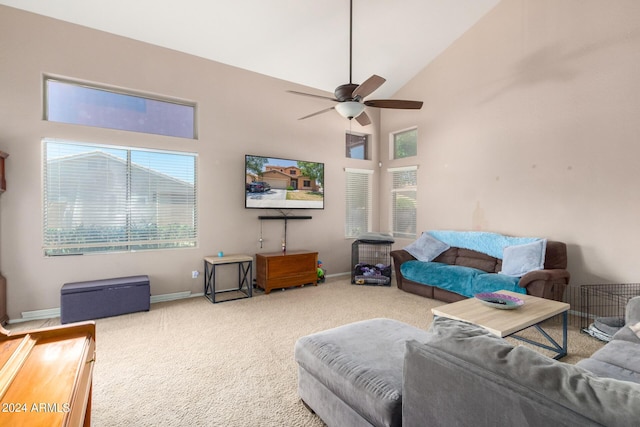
(303, 41)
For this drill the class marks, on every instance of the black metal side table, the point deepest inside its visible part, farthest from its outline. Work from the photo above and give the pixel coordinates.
(245, 276)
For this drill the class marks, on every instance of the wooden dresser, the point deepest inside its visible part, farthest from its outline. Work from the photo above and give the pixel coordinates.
(3, 282)
(286, 269)
(46, 376)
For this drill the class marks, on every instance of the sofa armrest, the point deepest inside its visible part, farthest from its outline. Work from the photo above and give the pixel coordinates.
(400, 256)
(463, 375)
(632, 311)
(548, 283)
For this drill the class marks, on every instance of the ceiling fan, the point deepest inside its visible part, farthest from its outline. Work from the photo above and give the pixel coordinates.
(350, 96)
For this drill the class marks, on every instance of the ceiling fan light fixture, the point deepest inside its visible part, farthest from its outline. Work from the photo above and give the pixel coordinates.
(350, 109)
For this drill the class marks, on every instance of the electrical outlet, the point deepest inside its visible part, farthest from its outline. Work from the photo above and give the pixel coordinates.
(195, 274)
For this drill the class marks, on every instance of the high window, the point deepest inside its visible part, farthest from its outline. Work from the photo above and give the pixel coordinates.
(82, 104)
(404, 190)
(405, 144)
(107, 198)
(357, 146)
(359, 196)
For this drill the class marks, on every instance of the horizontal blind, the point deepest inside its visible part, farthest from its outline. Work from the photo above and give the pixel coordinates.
(358, 202)
(108, 198)
(404, 190)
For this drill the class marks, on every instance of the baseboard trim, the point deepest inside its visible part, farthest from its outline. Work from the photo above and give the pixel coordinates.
(170, 297)
(37, 315)
(346, 273)
(50, 313)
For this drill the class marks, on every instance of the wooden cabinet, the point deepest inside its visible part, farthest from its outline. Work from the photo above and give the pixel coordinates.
(46, 376)
(3, 181)
(3, 301)
(3, 282)
(286, 269)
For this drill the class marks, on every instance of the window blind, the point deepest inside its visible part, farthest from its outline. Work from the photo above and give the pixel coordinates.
(108, 198)
(358, 203)
(404, 190)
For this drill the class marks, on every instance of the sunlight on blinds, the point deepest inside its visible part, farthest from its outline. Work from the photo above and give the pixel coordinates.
(404, 190)
(106, 198)
(358, 203)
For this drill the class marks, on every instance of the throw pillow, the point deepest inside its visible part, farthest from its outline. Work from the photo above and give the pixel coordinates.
(636, 329)
(518, 260)
(426, 248)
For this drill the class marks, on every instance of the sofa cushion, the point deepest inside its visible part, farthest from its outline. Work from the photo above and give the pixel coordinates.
(481, 241)
(492, 282)
(632, 312)
(448, 257)
(618, 359)
(426, 247)
(537, 378)
(361, 363)
(473, 259)
(464, 281)
(626, 334)
(636, 329)
(518, 260)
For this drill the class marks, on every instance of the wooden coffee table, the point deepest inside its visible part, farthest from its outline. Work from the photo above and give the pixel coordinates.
(507, 323)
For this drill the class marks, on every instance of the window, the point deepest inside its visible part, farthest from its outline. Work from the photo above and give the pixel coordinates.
(359, 195)
(404, 189)
(105, 198)
(357, 146)
(405, 144)
(81, 104)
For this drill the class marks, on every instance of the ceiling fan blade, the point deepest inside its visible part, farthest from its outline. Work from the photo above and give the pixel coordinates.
(316, 113)
(394, 103)
(312, 95)
(368, 87)
(363, 119)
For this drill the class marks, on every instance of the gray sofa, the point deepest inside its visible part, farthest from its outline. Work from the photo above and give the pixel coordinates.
(381, 372)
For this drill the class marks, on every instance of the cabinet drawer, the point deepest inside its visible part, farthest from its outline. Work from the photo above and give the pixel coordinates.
(290, 265)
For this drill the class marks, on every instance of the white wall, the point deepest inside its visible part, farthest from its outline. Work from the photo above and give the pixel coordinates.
(239, 112)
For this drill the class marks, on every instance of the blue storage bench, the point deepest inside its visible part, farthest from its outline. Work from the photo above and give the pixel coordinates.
(103, 298)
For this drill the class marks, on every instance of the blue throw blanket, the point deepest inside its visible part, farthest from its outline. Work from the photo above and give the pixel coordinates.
(481, 241)
(462, 280)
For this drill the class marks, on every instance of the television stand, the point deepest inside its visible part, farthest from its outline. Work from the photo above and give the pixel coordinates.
(278, 270)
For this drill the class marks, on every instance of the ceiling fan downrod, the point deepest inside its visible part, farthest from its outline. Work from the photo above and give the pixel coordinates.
(350, 41)
(350, 97)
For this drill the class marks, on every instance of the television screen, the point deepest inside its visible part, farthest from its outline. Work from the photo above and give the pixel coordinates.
(274, 183)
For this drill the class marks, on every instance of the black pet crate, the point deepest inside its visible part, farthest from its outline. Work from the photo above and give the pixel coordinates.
(603, 307)
(371, 259)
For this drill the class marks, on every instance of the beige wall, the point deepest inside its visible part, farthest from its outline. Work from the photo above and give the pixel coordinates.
(531, 126)
(239, 112)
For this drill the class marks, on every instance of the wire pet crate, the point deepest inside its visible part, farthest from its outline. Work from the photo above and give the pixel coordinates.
(371, 260)
(603, 307)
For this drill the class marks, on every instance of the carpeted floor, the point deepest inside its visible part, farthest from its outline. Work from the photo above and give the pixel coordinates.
(193, 363)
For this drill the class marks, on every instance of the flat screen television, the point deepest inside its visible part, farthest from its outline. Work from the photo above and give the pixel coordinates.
(276, 183)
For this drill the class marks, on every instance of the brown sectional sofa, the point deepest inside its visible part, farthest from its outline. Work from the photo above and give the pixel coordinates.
(549, 282)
